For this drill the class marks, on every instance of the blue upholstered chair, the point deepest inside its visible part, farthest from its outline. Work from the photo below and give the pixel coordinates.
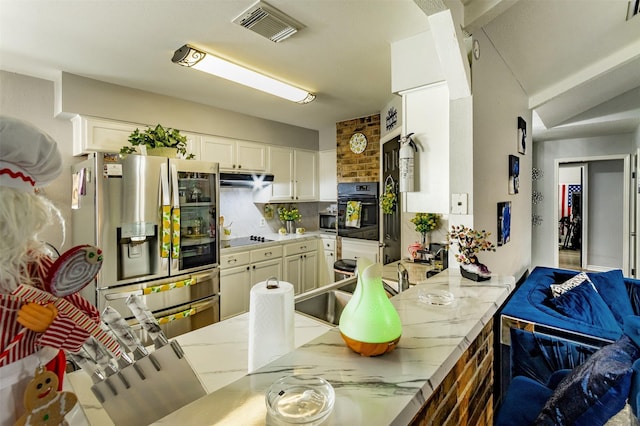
(597, 388)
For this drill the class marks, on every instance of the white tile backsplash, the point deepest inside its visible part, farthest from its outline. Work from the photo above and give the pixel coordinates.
(238, 207)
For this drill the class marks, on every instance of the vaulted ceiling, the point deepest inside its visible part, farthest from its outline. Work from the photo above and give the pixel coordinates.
(578, 61)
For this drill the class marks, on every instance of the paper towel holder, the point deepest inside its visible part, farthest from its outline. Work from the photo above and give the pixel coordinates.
(270, 285)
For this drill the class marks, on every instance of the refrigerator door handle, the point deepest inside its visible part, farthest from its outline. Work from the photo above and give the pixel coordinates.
(165, 210)
(175, 220)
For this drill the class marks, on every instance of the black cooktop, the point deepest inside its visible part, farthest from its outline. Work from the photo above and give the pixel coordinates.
(244, 241)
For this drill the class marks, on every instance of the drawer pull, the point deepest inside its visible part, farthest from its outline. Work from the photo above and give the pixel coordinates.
(268, 254)
(232, 260)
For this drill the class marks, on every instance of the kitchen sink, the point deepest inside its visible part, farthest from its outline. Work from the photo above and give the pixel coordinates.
(327, 306)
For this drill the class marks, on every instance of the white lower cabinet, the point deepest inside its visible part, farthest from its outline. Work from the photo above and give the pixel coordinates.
(241, 271)
(353, 249)
(234, 291)
(326, 260)
(301, 265)
(262, 271)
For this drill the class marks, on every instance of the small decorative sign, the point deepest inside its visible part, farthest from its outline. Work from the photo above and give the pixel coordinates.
(391, 119)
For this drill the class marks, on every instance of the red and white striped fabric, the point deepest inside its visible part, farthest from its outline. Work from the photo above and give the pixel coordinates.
(72, 326)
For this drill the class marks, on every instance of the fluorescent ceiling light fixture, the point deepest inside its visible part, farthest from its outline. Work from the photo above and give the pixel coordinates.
(188, 56)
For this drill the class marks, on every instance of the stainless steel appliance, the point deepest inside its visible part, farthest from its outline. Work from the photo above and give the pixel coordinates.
(328, 222)
(366, 193)
(156, 221)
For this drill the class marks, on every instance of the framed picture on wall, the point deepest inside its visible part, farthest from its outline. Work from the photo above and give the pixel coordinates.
(514, 174)
(504, 222)
(522, 136)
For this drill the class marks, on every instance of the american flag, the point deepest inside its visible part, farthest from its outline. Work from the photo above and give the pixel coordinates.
(564, 193)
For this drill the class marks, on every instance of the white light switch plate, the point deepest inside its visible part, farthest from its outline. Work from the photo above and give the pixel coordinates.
(459, 203)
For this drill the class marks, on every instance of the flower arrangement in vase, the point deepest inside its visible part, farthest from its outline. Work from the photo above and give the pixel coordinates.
(425, 223)
(470, 242)
(288, 216)
(166, 142)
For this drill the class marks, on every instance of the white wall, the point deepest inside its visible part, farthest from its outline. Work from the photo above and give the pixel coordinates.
(237, 205)
(546, 153)
(80, 95)
(31, 99)
(498, 101)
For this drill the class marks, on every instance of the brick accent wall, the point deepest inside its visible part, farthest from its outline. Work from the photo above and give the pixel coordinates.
(364, 167)
(465, 396)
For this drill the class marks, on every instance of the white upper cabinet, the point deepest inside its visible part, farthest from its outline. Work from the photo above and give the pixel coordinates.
(306, 175)
(96, 134)
(328, 175)
(234, 155)
(295, 174)
(281, 165)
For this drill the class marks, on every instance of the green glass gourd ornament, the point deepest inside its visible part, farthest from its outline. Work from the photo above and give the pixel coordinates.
(370, 324)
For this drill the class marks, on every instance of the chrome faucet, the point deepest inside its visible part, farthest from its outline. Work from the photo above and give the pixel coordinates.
(403, 278)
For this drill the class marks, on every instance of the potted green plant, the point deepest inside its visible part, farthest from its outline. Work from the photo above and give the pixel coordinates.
(157, 141)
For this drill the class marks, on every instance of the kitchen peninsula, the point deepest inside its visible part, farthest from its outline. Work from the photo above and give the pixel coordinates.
(417, 380)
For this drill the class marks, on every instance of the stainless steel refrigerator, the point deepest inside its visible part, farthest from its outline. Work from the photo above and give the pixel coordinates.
(156, 221)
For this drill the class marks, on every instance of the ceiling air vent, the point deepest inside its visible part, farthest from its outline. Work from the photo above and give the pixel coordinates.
(268, 21)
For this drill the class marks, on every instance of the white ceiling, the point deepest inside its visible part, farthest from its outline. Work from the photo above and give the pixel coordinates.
(570, 56)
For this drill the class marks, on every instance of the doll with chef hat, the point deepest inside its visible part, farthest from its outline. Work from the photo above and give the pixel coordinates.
(34, 332)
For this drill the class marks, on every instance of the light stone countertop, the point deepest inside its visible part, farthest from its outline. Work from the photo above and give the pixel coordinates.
(388, 389)
(218, 354)
(417, 271)
(277, 240)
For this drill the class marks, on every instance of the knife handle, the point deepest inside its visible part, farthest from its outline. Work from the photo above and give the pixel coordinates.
(147, 320)
(123, 331)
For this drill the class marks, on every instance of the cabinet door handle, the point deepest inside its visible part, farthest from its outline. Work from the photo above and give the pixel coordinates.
(248, 268)
(253, 267)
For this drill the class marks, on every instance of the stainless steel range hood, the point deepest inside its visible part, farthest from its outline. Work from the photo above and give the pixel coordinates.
(245, 179)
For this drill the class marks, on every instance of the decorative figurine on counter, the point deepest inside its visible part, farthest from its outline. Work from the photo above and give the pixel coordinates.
(44, 404)
(40, 314)
(370, 324)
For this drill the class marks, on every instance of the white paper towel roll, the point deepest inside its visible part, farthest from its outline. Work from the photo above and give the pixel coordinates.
(271, 323)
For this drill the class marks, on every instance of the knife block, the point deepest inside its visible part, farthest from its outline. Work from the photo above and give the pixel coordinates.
(150, 388)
